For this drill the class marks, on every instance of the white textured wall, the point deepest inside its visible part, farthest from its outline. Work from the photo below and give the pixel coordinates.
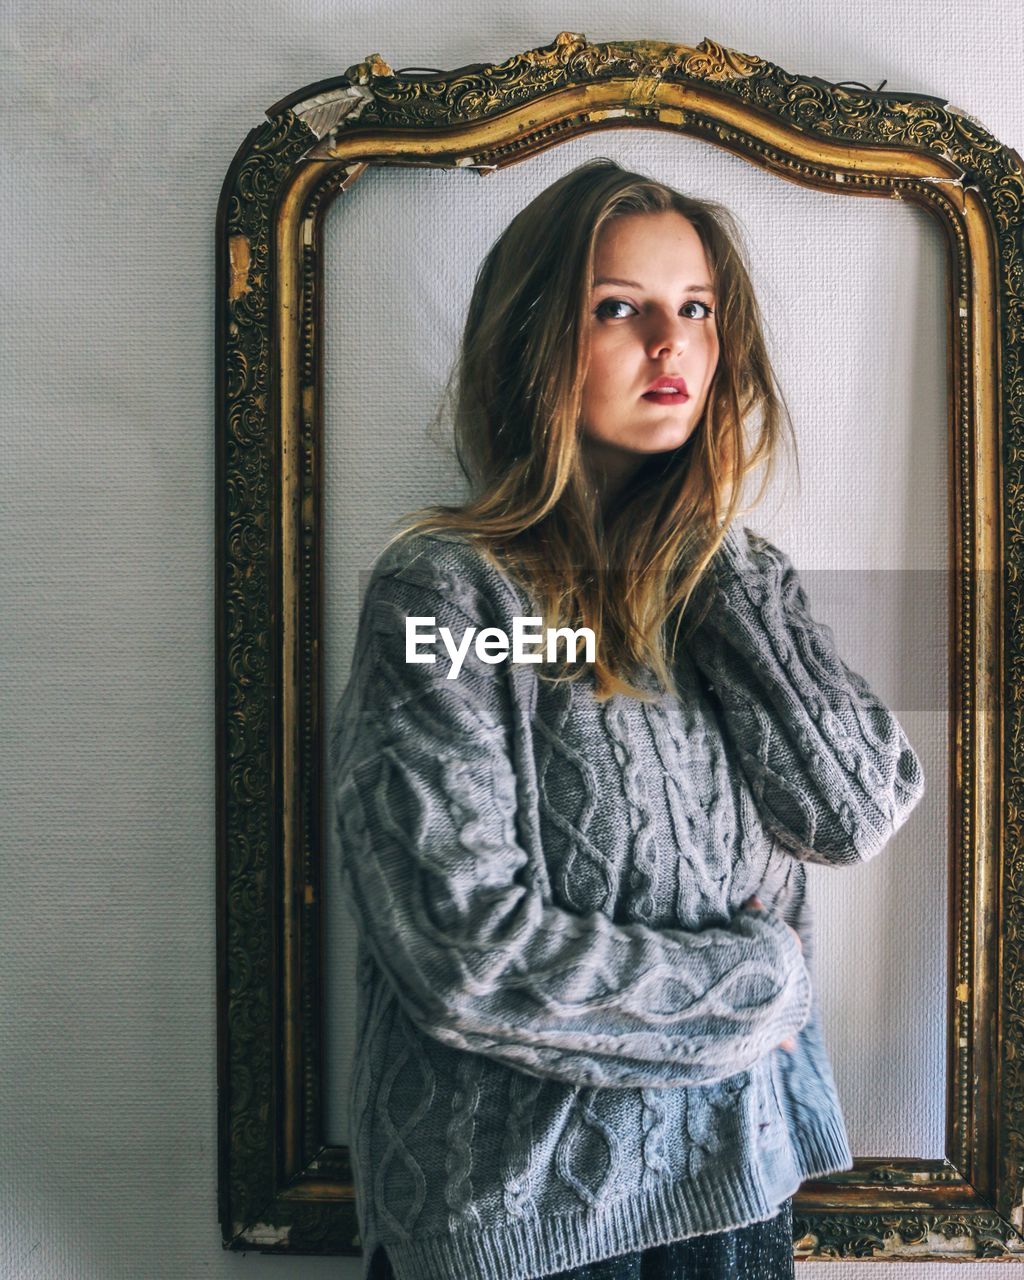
(119, 123)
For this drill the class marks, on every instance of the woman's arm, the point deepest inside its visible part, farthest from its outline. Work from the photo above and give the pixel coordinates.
(455, 912)
(830, 768)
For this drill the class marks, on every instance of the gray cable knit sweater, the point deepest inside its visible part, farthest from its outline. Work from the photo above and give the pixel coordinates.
(568, 1029)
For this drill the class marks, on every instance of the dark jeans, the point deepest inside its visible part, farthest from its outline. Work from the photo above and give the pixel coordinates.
(761, 1251)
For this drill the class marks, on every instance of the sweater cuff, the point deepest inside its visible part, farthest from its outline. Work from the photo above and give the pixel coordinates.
(793, 952)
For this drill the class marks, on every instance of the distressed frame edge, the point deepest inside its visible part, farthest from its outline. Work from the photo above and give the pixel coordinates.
(220, 535)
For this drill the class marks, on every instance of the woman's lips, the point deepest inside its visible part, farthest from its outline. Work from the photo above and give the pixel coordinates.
(665, 397)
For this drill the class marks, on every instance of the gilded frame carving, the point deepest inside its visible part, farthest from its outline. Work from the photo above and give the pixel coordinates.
(281, 1188)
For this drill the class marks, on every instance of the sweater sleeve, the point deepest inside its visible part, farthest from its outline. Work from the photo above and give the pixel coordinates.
(829, 766)
(457, 915)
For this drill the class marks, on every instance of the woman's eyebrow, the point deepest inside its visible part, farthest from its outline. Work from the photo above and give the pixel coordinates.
(634, 284)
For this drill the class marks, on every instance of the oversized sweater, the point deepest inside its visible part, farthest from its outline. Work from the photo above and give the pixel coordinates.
(568, 1025)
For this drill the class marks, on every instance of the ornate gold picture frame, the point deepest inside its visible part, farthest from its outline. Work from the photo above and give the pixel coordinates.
(281, 1187)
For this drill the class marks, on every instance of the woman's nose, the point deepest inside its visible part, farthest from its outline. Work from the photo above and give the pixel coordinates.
(668, 333)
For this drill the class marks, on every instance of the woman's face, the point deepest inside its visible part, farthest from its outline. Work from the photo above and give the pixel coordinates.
(650, 317)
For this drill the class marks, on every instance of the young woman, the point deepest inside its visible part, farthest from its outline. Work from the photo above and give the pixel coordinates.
(588, 1041)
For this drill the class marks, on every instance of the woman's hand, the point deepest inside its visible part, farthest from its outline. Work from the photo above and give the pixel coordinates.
(789, 1044)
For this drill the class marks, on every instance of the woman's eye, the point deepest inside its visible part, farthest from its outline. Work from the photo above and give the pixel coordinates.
(612, 302)
(603, 313)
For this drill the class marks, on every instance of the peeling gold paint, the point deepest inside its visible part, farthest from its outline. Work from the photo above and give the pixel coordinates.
(934, 1245)
(238, 267)
(1017, 1217)
(472, 162)
(956, 111)
(261, 1233)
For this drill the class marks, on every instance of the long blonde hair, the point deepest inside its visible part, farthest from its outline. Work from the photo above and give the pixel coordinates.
(535, 511)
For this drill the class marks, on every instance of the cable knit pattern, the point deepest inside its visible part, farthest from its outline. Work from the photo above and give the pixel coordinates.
(829, 765)
(568, 1028)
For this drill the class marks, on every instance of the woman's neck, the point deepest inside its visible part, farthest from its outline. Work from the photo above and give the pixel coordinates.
(611, 470)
